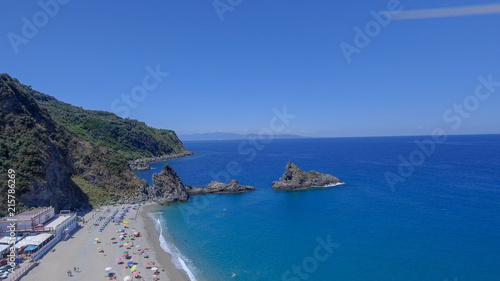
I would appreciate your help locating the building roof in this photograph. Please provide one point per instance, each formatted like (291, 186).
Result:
(6, 240)
(58, 221)
(33, 240)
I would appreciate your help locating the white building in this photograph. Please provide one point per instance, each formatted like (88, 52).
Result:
(28, 220)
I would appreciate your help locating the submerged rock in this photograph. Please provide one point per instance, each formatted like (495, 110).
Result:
(218, 187)
(167, 187)
(296, 179)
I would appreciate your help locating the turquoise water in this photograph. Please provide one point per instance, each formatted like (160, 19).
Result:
(442, 222)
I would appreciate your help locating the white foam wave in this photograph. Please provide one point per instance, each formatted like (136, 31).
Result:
(333, 184)
(178, 259)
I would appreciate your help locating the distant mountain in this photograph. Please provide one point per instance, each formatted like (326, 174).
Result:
(229, 136)
(69, 157)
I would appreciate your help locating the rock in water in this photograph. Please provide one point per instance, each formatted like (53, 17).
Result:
(168, 188)
(296, 179)
(217, 187)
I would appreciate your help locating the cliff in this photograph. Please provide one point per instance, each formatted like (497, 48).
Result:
(296, 179)
(68, 157)
(216, 187)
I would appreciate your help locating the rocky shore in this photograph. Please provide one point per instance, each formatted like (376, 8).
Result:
(143, 163)
(217, 187)
(296, 179)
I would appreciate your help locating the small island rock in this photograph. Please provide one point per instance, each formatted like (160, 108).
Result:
(296, 179)
(218, 187)
(167, 187)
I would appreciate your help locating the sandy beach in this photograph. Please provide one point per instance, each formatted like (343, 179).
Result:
(81, 251)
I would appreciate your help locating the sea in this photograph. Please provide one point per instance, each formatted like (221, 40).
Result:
(412, 208)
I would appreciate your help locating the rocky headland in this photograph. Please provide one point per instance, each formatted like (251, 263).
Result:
(143, 163)
(296, 179)
(218, 187)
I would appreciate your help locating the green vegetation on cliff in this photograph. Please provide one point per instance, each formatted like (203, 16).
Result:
(130, 138)
(69, 157)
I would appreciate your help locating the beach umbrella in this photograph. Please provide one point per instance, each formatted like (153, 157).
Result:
(127, 239)
(108, 269)
(154, 268)
(97, 239)
(144, 254)
(125, 222)
(130, 263)
(126, 252)
(138, 246)
(127, 278)
(118, 259)
(135, 273)
(133, 268)
(132, 259)
(126, 245)
(100, 248)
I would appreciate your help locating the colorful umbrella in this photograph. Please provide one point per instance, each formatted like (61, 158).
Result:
(135, 273)
(133, 268)
(126, 252)
(154, 268)
(132, 259)
(97, 239)
(130, 263)
(118, 259)
(127, 278)
(100, 248)
(108, 269)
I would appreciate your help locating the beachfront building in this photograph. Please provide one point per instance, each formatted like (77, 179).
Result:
(35, 242)
(30, 220)
(63, 224)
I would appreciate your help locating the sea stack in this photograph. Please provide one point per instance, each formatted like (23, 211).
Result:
(168, 188)
(218, 187)
(296, 179)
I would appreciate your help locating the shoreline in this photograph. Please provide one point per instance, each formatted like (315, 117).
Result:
(81, 250)
(142, 164)
(163, 257)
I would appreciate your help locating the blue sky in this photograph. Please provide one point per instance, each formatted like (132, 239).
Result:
(228, 75)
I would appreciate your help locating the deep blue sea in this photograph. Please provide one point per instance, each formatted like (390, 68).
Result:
(440, 221)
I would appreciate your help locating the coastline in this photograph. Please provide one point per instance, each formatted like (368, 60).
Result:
(152, 236)
(142, 164)
(81, 250)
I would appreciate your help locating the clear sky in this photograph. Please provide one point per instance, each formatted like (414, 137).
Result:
(231, 63)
